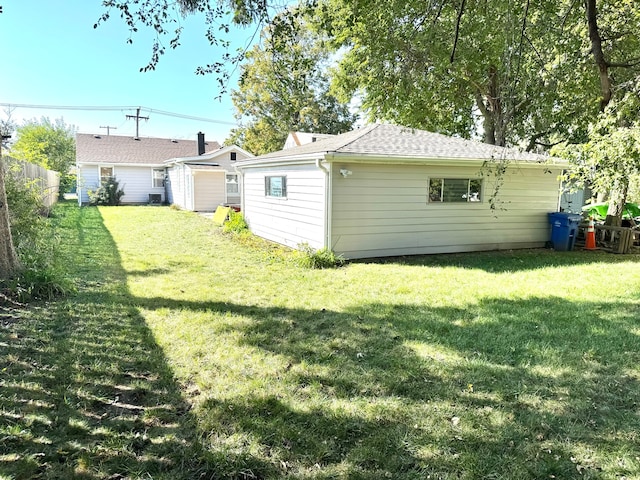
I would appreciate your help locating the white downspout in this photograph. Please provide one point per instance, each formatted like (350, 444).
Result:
(240, 186)
(327, 202)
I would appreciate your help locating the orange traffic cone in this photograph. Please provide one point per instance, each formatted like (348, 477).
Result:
(590, 243)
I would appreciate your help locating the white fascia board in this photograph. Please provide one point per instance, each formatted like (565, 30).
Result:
(150, 165)
(439, 161)
(281, 161)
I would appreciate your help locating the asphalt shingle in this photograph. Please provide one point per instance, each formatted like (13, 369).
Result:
(396, 141)
(117, 149)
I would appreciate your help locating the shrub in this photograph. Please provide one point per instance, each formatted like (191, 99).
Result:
(108, 193)
(35, 283)
(309, 257)
(235, 224)
(36, 245)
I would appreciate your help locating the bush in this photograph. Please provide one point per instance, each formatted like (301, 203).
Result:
(35, 283)
(236, 223)
(35, 243)
(108, 193)
(309, 257)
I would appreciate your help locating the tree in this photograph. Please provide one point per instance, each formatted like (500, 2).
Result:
(611, 157)
(528, 73)
(49, 144)
(9, 263)
(521, 68)
(284, 86)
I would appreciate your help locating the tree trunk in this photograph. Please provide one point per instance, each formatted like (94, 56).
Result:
(489, 102)
(617, 201)
(9, 263)
(598, 53)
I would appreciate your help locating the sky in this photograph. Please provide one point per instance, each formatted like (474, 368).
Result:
(51, 55)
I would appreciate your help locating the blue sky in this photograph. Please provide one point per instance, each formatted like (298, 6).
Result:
(52, 55)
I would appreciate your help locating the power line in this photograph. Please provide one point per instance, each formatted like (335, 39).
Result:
(116, 108)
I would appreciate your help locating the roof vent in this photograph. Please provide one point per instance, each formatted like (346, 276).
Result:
(136, 139)
(173, 140)
(97, 136)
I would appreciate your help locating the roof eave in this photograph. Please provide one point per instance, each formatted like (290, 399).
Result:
(420, 159)
(395, 159)
(121, 164)
(284, 160)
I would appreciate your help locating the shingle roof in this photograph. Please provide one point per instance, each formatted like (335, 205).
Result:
(115, 149)
(396, 141)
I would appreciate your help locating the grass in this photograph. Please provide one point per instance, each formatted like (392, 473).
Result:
(186, 354)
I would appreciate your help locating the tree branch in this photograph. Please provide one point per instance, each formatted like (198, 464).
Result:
(629, 64)
(455, 41)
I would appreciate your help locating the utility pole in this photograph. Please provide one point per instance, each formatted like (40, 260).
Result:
(111, 128)
(138, 118)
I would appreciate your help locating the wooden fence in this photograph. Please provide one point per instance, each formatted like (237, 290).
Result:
(48, 181)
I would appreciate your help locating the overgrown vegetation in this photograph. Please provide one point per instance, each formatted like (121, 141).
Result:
(108, 193)
(305, 256)
(36, 243)
(235, 224)
(310, 257)
(205, 360)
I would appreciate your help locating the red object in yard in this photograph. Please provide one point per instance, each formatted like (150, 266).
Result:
(590, 243)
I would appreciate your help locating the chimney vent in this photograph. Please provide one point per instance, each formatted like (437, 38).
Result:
(201, 143)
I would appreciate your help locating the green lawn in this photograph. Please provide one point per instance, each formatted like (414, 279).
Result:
(186, 354)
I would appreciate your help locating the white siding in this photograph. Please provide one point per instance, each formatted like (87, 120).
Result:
(173, 190)
(382, 210)
(176, 187)
(298, 218)
(209, 190)
(87, 180)
(136, 182)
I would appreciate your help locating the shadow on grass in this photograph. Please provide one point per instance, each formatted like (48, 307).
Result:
(524, 388)
(85, 391)
(506, 261)
(521, 388)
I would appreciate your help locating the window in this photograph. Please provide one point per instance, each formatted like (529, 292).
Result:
(105, 174)
(275, 186)
(233, 156)
(232, 184)
(454, 190)
(158, 177)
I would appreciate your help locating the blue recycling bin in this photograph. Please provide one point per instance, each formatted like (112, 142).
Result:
(564, 229)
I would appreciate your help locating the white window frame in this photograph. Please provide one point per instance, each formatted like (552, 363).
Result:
(228, 181)
(269, 189)
(469, 197)
(100, 167)
(154, 178)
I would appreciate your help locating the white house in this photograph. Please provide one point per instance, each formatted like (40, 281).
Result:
(137, 163)
(386, 190)
(203, 182)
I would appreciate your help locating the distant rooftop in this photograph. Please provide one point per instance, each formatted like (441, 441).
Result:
(115, 149)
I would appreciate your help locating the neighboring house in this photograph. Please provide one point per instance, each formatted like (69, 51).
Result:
(386, 190)
(137, 163)
(203, 182)
(296, 139)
